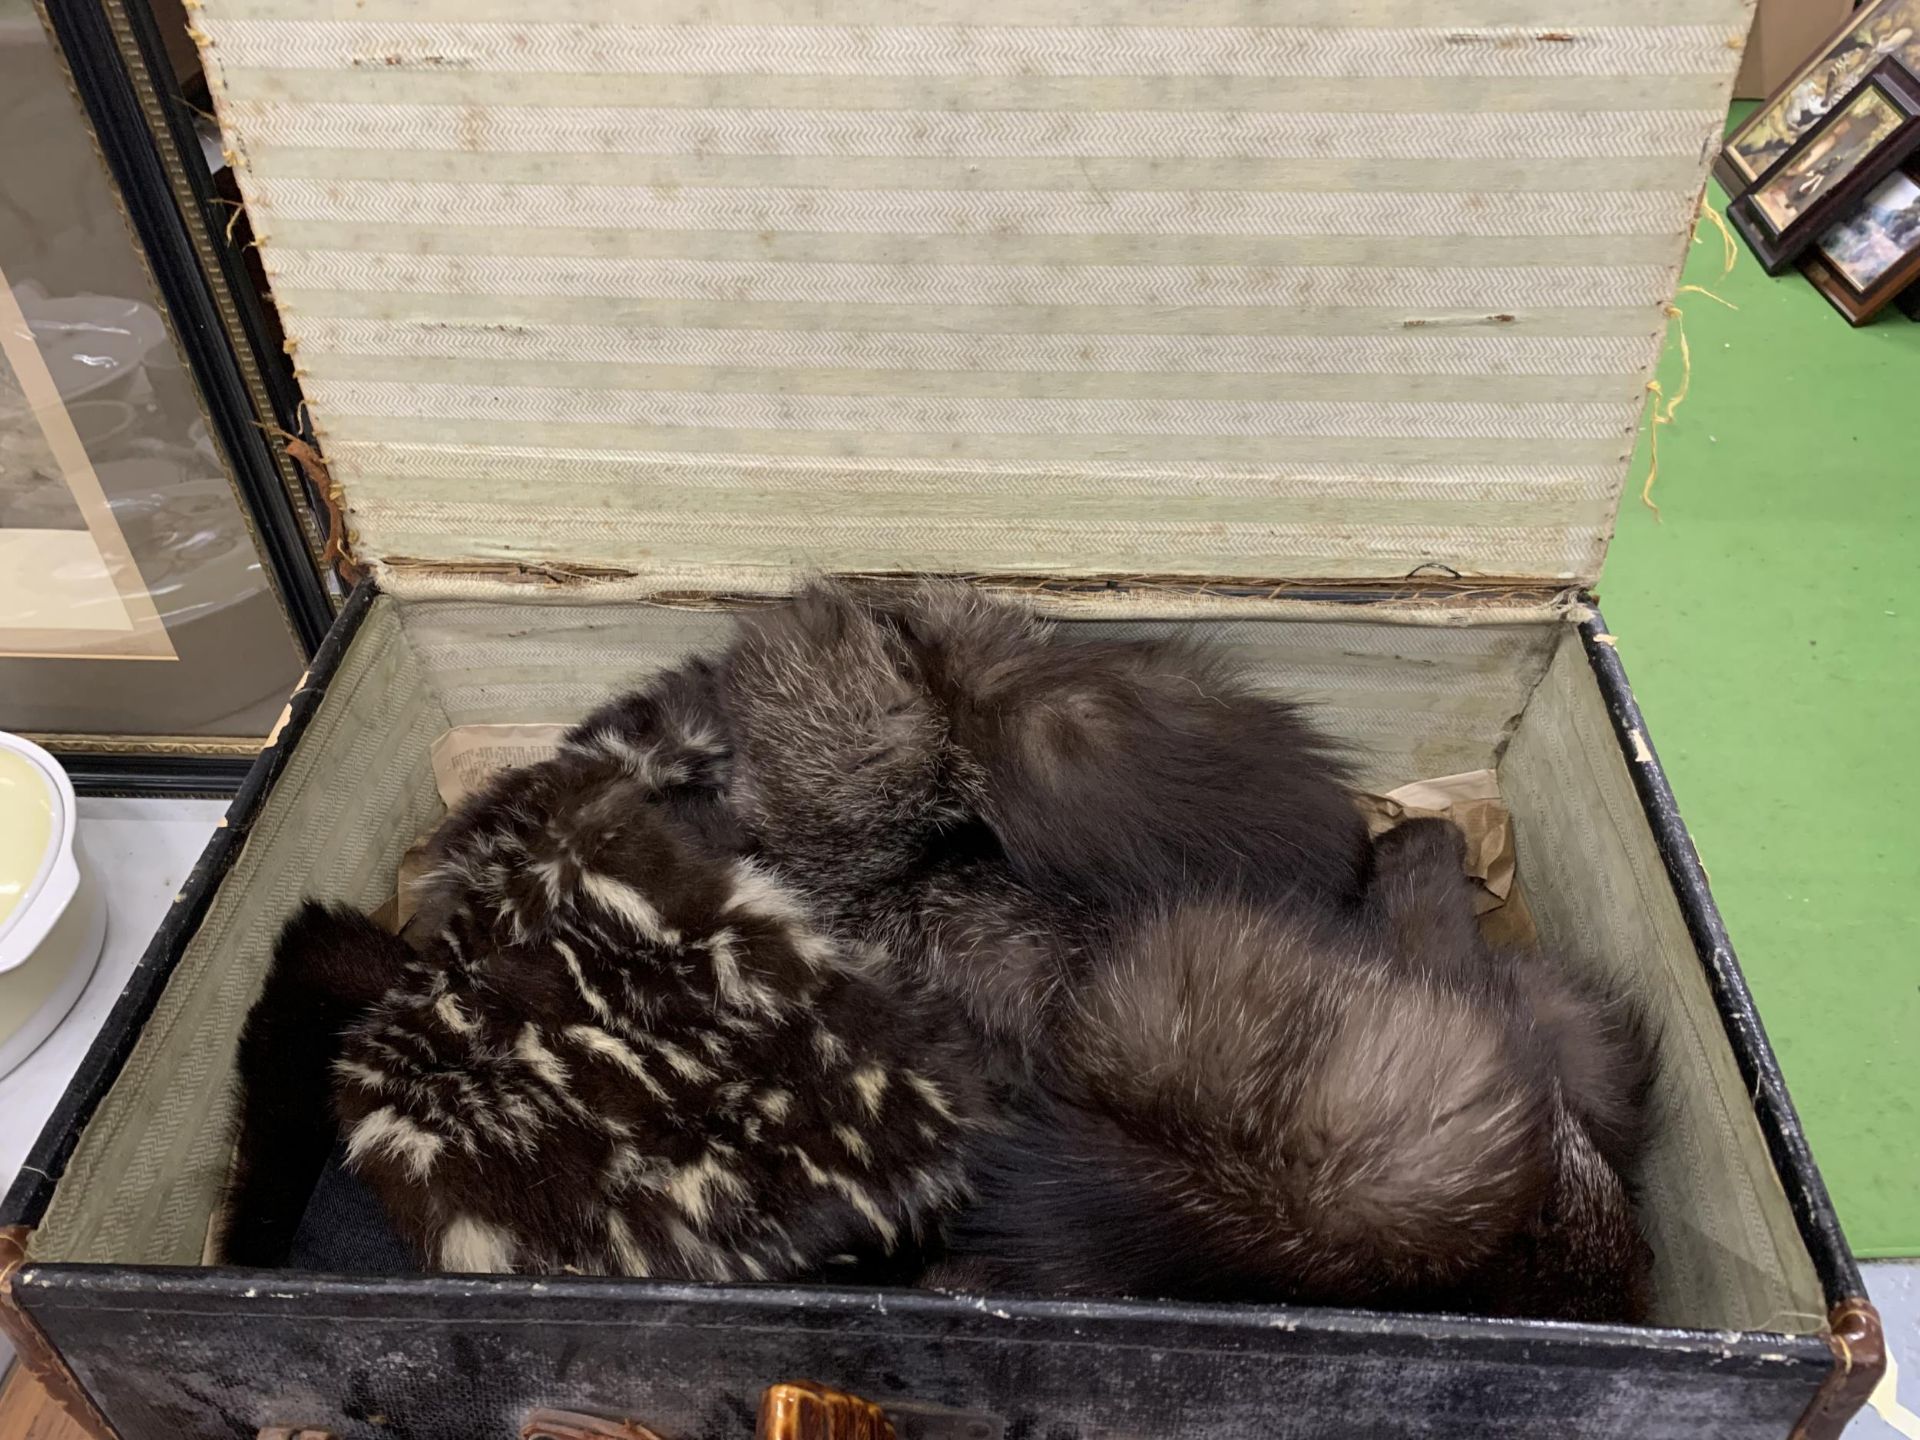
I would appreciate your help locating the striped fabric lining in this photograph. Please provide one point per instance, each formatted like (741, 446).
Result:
(860, 134)
(976, 50)
(911, 350)
(1373, 290)
(964, 212)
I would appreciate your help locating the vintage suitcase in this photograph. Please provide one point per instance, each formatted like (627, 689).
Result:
(1322, 328)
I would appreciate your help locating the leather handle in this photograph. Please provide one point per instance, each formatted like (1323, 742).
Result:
(800, 1410)
(803, 1410)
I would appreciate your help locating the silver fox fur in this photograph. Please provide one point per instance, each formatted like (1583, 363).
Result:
(1252, 1105)
(1264, 1059)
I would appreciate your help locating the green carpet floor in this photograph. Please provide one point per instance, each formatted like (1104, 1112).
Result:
(1770, 621)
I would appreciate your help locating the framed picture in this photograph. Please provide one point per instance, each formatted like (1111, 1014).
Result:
(159, 597)
(1826, 172)
(1878, 31)
(1864, 261)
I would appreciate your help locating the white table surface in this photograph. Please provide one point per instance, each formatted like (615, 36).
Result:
(143, 849)
(140, 851)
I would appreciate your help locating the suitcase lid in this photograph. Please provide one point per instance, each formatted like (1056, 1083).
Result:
(1026, 288)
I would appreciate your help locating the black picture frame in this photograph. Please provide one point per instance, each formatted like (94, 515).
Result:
(220, 243)
(84, 35)
(1855, 146)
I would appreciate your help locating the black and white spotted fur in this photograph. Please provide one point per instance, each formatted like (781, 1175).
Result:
(620, 1046)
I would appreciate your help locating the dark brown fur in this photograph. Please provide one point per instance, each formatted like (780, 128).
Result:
(1378, 1111)
(846, 783)
(954, 778)
(1132, 771)
(1303, 1077)
(328, 967)
(842, 774)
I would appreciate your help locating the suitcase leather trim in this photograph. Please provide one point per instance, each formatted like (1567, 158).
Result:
(36, 1353)
(1859, 1361)
(214, 1308)
(1853, 1325)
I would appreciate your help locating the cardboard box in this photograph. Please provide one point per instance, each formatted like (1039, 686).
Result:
(1785, 33)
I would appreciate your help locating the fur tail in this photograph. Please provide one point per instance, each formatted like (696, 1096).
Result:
(329, 966)
(1421, 1141)
(1128, 771)
(1584, 1258)
(1276, 1118)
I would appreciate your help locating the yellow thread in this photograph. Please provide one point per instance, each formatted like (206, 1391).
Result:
(1653, 441)
(233, 219)
(1729, 252)
(1663, 414)
(1702, 290)
(1686, 361)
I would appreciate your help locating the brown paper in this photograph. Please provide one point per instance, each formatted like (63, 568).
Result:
(1785, 34)
(468, 756)
(1471, 800)
(413, 865)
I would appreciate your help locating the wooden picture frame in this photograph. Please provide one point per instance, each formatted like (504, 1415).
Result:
(1868, 258)
(1879, 30)
(1830, 168)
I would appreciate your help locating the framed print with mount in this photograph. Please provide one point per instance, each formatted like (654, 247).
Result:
(1864, 261)
(1877, 31)
(1830, 169)
(158, 596)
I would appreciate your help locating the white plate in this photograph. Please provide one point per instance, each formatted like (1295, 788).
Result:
(50, 939)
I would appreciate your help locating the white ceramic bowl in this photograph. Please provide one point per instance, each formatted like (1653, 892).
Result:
(52, 921)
